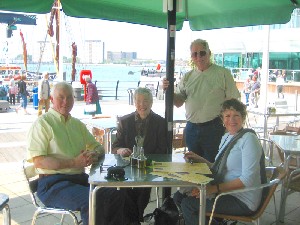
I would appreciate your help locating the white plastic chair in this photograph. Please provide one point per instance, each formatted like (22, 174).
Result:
(32, 180)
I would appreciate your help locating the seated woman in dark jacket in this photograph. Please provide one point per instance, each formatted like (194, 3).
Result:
(150, 131)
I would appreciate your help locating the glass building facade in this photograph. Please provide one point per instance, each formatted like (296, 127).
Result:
(283, 60)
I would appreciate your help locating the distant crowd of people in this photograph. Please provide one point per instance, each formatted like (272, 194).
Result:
(252, 91)
(251, 88)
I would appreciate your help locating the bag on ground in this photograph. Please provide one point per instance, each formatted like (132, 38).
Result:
(167, 214)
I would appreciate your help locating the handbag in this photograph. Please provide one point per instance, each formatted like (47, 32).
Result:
(167, 214)
(90, 108)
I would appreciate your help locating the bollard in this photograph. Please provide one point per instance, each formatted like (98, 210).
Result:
(35, 99)
(130, 95)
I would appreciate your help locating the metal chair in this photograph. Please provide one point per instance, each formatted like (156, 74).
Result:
(276, 175)
(4, 207)
(98, 134)
(268, 147)
(290, 129)
(179, 135)
(291, 183)
(32, 180)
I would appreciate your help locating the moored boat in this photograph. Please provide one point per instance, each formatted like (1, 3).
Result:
(7, 71)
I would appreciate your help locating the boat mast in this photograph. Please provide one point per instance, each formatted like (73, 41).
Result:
(24, 51)
(58, 46)
(55, 13)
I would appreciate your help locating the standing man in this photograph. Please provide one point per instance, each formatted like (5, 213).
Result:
(255, 92)
(60, 146)
(247, 90)
(203, 90)
(44, 94)
(279, 84)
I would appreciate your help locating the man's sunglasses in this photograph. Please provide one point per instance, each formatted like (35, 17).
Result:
(199, 54)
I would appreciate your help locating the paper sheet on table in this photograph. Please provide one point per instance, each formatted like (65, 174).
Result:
(199, 168)
(185, 176)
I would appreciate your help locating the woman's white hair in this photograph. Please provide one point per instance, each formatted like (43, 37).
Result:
(143, 91)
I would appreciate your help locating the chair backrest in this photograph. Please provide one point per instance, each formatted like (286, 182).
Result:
(268, 147)
(292, 129)
(288, 130)
(275, 174)
(32, 180)
(294, 180)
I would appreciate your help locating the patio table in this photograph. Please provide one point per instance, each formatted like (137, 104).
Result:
(267, 115)
(290, 145)
(138, 178)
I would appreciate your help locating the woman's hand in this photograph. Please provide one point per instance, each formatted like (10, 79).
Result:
(124, 152)
(210, 189)
(193, 157)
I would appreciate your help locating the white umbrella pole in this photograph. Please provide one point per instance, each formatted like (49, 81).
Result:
(265, 77)
(265, 70)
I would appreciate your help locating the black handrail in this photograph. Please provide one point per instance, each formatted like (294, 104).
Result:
(121, 87)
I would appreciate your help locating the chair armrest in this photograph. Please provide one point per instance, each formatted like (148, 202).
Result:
(249, 189)
(258, 187)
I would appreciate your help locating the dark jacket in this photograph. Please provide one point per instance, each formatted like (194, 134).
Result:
(92, 93)
(22, 87)
(155, 141)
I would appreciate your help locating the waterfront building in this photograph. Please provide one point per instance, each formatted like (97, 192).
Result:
(93, 52)
(116, 57)
(237, 48)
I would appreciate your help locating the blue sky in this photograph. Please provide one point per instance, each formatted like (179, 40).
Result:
(148, 42)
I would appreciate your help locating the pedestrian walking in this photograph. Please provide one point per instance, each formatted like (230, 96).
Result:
(44, 94)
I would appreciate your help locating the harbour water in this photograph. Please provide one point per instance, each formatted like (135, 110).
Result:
(100, 72)
(108, 77)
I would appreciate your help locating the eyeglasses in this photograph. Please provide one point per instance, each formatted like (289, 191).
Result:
(199, 54)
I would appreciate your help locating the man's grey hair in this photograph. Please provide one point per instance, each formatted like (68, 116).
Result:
(61, 85)
(200, 42)
(143, 91)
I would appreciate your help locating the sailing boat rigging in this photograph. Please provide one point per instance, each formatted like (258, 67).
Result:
(55, 16)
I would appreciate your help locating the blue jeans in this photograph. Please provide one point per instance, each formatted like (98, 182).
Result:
(247, 98)
(72, 192)
(204, 140)
(227, 204)
(24, 101)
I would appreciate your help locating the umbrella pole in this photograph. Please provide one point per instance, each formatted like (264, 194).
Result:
(170, 62)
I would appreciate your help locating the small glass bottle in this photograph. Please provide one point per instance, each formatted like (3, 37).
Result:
(142, 159)
(133, 157)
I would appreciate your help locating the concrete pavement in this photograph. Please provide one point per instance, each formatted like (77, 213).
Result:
(13, 128)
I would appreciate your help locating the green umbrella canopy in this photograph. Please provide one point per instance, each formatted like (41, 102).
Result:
(201, 14)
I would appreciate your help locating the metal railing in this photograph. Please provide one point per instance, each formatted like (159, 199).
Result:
(119, 89)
